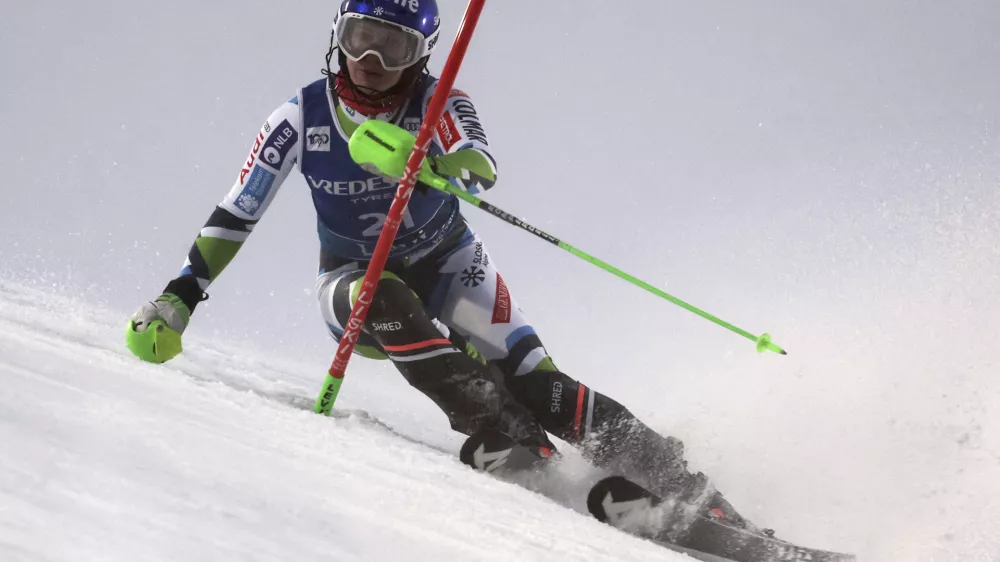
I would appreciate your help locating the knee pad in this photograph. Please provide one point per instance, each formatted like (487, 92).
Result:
(337, 294)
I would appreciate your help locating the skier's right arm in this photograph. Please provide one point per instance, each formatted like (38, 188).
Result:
(272, 155)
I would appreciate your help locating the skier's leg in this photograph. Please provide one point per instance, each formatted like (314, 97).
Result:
(399, 328)
(612, 437)
(475, 300)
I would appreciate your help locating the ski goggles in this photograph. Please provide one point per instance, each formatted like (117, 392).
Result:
(396, 46)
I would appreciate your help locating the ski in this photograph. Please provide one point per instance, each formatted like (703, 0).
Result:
(635, 510)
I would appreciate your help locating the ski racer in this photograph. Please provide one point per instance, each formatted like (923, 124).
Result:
(442, 313)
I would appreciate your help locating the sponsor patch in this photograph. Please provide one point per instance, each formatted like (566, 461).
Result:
(252, 158)
(318, 139)
(472, 276)
(469, 120)
(448, 132)
(480, 257)
(555, 404)
(352, 188)
(412, 124)
(501, 305)
(255, 191)
(278, 145)
(413, 5)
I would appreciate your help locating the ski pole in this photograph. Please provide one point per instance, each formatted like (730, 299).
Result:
(352, 329)
(437, 182)
(373, 144)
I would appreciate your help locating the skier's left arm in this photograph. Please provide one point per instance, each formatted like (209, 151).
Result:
(466, 158)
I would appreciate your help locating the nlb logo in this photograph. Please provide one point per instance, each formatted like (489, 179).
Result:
(279, 144)
(272, 156)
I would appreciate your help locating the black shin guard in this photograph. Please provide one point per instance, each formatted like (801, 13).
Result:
(467, 392)
(613, 438)
(607, 432)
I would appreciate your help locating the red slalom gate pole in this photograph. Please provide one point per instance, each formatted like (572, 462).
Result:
(335, 375)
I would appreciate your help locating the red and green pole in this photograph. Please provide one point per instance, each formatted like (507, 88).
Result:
(352, 330)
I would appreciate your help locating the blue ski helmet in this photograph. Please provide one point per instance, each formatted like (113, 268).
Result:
(399, 32)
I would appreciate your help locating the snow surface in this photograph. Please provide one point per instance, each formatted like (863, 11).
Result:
(216, 456)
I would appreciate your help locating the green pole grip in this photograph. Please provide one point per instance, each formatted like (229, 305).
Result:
(328, 394)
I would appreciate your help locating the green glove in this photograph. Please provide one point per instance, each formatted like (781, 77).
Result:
(153, 333)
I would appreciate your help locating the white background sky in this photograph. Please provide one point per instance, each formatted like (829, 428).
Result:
(825, 171)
